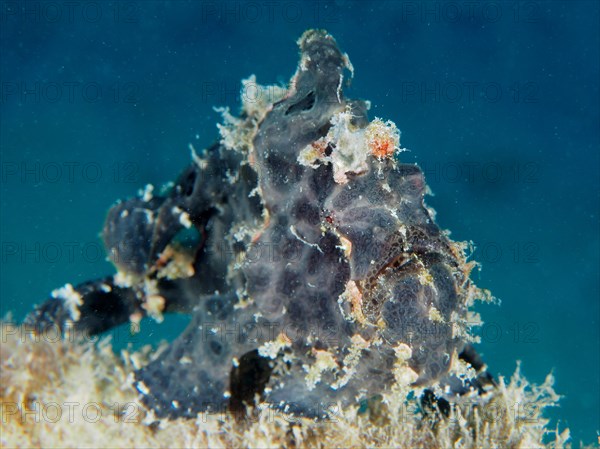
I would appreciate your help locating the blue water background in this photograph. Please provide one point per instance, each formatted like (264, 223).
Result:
(497, 101)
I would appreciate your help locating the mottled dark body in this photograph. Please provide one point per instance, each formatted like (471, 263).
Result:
(282, 282)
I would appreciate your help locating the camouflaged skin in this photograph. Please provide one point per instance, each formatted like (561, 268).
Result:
(302, 288)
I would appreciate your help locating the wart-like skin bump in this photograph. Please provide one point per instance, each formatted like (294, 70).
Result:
(311, 268)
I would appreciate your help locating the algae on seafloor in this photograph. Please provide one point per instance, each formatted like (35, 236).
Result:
(56, 393)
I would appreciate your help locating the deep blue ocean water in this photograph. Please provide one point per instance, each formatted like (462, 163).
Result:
(496, 100)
